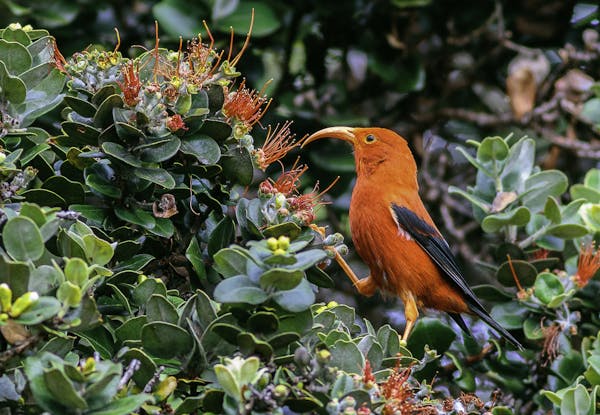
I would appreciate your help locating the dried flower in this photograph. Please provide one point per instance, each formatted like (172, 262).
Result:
(588, 264)
(245, 106)
(175, 123)
(131, 84)
(551, 345)
(166, 207)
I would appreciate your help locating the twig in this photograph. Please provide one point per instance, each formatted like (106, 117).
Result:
(480, 118)
(18, 349)
(133, 367)
(581, 148)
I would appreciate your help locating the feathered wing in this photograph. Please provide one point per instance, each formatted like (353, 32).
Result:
(430, 240)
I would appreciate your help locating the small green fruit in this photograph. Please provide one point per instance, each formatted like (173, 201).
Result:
(283, 242)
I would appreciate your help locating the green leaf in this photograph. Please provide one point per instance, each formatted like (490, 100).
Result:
(153, 338)
(577, 401)
(297, 299)
(158, 308)
(194, 255)
(540, 186)
(591, 110)
(509, 315)
(265, 19)
(230, 262)
(525, 273)
(237, 165)
(518, 165)
(159, 151)
(44, 309)
(552, 210)
(136, 216)
(239, 289)
(280, 279)
(518, 217)
(97, 250)
(204, 148)
(580, 191)
(22, 239)
(120, 153)
(492, 149)
(11, 87)
(432, 332)
(547, 286)
(104, 115)
(221, 236)
(15, 57)
(126, 405)
(346, 356)
(62, 389)
(567, 231)
(156, 175)
(590, 214)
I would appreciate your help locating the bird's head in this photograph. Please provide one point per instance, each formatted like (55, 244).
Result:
(376, 150)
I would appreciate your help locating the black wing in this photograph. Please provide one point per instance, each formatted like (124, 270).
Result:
(430, 240)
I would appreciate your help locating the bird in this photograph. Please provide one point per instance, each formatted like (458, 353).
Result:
(394, 234)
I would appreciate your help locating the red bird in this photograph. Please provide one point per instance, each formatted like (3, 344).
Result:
(395, 236)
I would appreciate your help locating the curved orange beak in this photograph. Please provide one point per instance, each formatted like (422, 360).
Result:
(342, 133)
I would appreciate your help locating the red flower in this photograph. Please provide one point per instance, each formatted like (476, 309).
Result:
(245, 105)
(277, 144)
(588, 264)
(175, 123)
(131, 84)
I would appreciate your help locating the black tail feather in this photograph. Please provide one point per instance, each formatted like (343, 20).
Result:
(482, 314)
(461, 323)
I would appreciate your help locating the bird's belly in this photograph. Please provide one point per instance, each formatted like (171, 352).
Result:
(399, 266)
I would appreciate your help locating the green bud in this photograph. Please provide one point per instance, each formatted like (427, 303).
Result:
(264, 380)
(2, 156)
(301, 356)
(22, 303)
(280, 200)
(88, 366)
(279, 251)
(323, 356)
(3, 317)
(348, 403)
(5, 297)
(283, 242)
(272, 244)
(342, 249)
(281, 392)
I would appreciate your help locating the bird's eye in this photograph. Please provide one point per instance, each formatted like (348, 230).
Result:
(370, 139)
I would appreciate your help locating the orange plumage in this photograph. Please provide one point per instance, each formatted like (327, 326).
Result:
(394, 234)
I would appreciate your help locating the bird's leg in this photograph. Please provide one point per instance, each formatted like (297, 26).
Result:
(411, 312)
(365, 286)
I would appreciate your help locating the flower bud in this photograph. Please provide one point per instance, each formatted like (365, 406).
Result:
(283, 242)
(342, 249)
(280, 200)
(3, 317)
(279, 251)
(2, 156)
(22, 303)
(272, 244)
(281, 392)
(323, 356)
(348, 403)
(5, 297)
